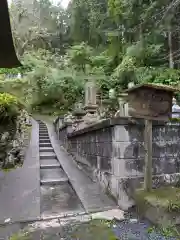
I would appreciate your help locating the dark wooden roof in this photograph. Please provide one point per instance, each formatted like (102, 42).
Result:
(8, 58)
(153, 86)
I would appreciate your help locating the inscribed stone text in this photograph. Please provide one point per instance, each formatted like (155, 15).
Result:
(150, 103)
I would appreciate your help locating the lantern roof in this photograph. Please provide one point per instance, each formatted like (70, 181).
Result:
(8, 57)
(153, 86)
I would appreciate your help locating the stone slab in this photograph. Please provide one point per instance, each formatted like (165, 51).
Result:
(47, 155)
(46, 144)
(45, 140)
(44, 137)
(49, 163)
(53, 175)
(59, 201)
(46, 149)
(19, 188)
(90, 193)
(109, 215)
(43, 134)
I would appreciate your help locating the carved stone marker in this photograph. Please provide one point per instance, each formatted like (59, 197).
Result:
(150, 101)
(90, 95)
(90, 102)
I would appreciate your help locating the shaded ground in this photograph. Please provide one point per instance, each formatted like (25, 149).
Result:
(83, 229)
(19, 188)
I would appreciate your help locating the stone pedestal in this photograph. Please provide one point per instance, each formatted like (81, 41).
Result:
(78, 118)
(91, 114)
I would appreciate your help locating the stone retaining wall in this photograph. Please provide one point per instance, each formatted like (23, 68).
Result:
(14, 139)
(112, 151)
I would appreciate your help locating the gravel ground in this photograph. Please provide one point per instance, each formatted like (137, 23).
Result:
(94, 230)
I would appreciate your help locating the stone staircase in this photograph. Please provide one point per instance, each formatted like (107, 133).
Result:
(65, 189)
(58, 198)
(51, 172)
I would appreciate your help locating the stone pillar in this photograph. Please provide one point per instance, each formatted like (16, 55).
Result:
(175, 109)
(123, 106)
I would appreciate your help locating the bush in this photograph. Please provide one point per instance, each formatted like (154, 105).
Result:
(9, 108)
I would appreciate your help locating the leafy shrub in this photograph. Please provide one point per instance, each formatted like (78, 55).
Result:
(9, 108)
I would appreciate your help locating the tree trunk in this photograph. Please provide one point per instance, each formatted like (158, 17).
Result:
(171, 61)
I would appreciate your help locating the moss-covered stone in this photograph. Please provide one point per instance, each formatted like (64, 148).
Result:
(14, 139)
(160, 206)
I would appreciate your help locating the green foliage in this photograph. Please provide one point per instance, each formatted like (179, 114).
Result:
(124, 73)
(79, 55)
(161, 75)
(9, 108)
(168, 232)
(113, 42)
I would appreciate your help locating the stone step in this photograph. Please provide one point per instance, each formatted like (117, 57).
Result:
(47, 155)
(90, 193)
(48, 145)
(42, 131)
(59, 201)
(44, 140)
(43, 134)
(49, 164)
(43, 137)
(53, 176)
(46, 149)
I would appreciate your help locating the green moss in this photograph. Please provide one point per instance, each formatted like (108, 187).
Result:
(95, 229)
(166, 197)
(20, 236)
(177, 120)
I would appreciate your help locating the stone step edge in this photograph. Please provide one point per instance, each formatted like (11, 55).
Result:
(45, 149)
(48, 166)
(51, 182)
(46, 141)
(47, 157)
(48, 145)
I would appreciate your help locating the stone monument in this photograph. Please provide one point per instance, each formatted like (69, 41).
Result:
(90, 103)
